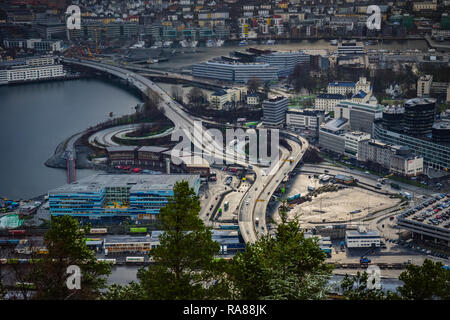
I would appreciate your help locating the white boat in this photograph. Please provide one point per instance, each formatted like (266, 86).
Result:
(156, 45)
(167, 44)
(270, 42)
(184, 43)
(219, 43)
(209, 43)
(243, 43)
(139, 44)
(193, 44)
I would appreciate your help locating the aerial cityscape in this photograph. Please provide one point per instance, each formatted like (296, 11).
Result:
(224, 150)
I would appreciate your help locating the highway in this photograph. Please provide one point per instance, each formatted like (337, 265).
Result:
(203, 141)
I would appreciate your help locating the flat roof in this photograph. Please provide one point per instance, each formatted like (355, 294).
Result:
(152, 149)
(355, 233)
(96, 183)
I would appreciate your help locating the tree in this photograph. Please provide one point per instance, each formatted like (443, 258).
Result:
(361, 291)
(67, 246)
(301, 78)
(152, 102)
(184, 261)
(196, 97)
(132, 291)
(253, 85)
(428, 281)
(177, 93)
(286, 266)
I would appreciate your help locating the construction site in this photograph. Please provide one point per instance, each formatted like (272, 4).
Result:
(319, 199)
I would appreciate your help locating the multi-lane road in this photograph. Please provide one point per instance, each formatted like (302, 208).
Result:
(203, 141)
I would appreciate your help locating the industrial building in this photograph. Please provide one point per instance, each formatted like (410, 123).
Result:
(116, 198)
(362, 238)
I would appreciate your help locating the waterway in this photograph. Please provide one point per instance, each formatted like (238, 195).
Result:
(185, 57)
(125, 274)
(36, 117)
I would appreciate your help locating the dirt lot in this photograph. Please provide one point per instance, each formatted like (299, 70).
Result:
(336, 206)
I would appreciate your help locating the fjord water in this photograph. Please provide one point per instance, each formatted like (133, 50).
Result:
(36, 117)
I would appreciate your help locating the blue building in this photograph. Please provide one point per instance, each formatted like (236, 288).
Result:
(115, 198)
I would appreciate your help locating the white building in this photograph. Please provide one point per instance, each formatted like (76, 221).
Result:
(352, 140)
(345, 87)
(306, 119)
(18, 74)
(362, 238)
(327, 101)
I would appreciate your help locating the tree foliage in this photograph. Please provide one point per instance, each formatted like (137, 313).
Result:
(428, 281)
(356, 288)
(286, 266)
(185, 266)
(67, 246)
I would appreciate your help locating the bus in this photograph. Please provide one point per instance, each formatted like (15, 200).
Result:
(98, 231)
(138, 230)
(134, 259)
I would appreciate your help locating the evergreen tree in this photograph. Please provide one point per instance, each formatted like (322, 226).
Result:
(67, 246)
(184, 267)
(286, 266)
(425, 282)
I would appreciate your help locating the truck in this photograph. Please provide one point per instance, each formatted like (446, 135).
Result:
(395, 186)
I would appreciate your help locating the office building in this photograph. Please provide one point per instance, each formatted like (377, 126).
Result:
(274, 111)
(352, 140)
(235, 72)
(398, 159)
(305, 119)
(116, 198)
(394, 118)
(285, 61)
(441, 132)
(419, 116)
(435, 155)
(35, 44)
(360, 115)
(424, 85)
(331, 135)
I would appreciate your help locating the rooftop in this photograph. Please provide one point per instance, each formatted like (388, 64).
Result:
(96, 183)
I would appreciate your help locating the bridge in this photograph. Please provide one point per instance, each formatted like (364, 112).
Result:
(205, 142)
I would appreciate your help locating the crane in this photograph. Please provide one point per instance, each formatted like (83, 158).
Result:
(96, 37)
